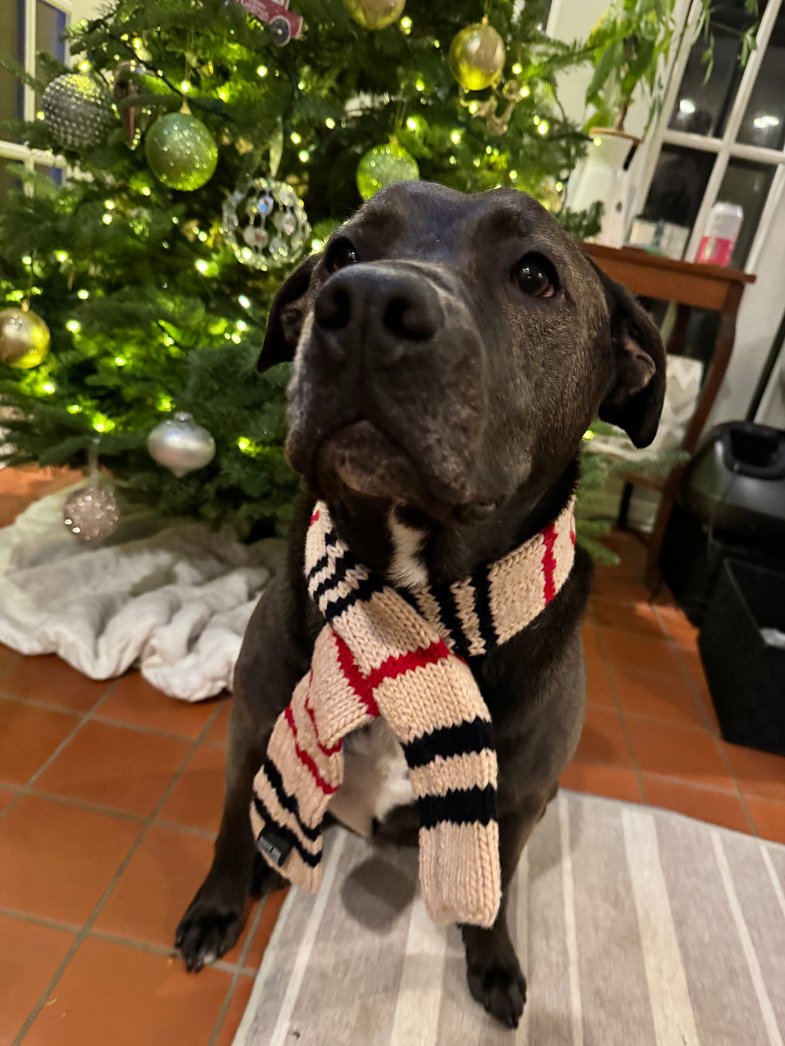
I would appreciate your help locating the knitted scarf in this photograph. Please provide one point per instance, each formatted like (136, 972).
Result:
(402, 654)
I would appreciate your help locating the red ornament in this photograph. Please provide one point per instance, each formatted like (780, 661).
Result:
(284, 25)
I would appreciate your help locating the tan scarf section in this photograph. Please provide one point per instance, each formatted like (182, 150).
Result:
(402, 655)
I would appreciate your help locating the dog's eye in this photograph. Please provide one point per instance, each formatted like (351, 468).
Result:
(536, 276)
(340, 254)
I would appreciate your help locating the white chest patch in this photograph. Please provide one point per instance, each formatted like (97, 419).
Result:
(376, 778)
(407, 568)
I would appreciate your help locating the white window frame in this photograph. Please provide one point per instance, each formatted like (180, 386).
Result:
(14, 151)
(724, 148)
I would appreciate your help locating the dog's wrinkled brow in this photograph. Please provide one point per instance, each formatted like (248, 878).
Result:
(382, 221)
(505, 222)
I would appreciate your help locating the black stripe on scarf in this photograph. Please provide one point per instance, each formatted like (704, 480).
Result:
(288, 802)
(364, 590)
(481, 582)
(310, 859)
(458, 806)
(450, 618)
(322, 561)
(409, 597)
(465, 737)
(345, 563)
(320, 564)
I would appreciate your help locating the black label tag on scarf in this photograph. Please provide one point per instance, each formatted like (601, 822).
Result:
(274, 844)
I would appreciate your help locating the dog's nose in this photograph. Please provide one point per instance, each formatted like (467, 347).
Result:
(386, 309)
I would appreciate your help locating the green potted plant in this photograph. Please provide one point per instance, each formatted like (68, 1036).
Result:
(629, 48)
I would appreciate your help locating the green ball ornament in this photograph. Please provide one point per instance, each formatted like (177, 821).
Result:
(181, 151)
(385, 165)
(77, 110)
(477, 56)
(24, 338)
(375, 14)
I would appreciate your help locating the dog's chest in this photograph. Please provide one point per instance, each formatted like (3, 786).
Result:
(376, 779)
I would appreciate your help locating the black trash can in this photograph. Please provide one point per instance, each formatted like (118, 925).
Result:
(730, 504)
(742, 646)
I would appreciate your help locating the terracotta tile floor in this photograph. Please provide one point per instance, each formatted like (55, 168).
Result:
(110, 793)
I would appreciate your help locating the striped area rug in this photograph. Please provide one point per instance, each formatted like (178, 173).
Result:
(634, 927)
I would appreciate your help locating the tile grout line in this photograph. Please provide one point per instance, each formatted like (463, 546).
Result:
(230, 992)
(741, 796)
(151, 947)
(40, 920)
(46, 706)
(21, 791)
(617, 704)
(87, 926)
(708, 725)
(84, 718)
(25, 791)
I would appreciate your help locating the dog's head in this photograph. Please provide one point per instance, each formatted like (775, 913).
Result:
(450, 350)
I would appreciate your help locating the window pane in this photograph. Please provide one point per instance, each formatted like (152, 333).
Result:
(678, 186)
(764, 120)
(49, 28)
(747, 184)
(55, 173)
(702, 106)
(12, 42)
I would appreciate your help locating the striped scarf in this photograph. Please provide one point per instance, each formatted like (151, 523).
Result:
(401, 654)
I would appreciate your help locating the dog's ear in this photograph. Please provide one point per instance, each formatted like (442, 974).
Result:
(286, 316)
(637, 388)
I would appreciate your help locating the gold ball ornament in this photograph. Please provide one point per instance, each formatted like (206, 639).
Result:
(385, 165)
(477, 56)
(181, 151)
(375, 14)
(24, 338)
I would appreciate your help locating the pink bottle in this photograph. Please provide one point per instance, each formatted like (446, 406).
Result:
(722, 231)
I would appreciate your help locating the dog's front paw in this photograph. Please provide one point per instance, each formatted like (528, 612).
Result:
(499, 986)
(207, 931)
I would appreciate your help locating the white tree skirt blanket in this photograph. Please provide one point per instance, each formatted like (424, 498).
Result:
(171, 597)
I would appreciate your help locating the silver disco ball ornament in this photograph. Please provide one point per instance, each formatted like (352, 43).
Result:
(180, 445)
(92, 513)
(265, 223)
(77, 110)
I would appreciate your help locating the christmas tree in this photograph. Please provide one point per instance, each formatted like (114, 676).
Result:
(210, 145)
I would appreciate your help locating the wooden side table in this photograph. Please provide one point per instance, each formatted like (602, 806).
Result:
(689, 286)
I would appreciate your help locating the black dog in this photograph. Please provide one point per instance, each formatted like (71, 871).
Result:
(451, 352)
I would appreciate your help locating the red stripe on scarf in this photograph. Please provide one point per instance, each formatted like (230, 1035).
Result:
(322, 748)
(549, 562)
(400, 664)
(305, 759)
(354, 676)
